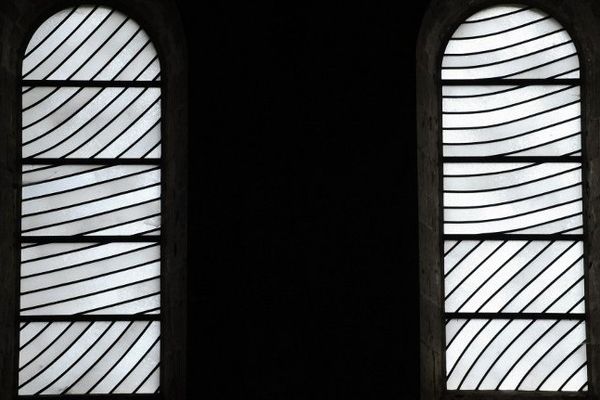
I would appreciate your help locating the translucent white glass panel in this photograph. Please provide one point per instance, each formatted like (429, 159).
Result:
(90, 43)
(514, 276)
(513, 198)
(91, 200)
(521, 43)
(91, 122)
(528, 355)
(90, 278)
(541, 120)
(101, 357)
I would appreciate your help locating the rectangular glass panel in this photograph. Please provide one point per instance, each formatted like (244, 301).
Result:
(521, 354)
(91, 122)
(91, 200)
(542, 120)
(541, 198)
(90, 278)
(101, 357)
(514, 276)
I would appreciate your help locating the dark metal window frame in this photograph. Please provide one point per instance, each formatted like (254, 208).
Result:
(159, 18)
(582, 20)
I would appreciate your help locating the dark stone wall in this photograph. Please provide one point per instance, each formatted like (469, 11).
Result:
(304, 217)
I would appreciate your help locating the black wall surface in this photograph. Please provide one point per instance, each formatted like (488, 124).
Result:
(303, 245)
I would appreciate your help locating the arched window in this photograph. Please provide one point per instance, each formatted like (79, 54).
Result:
(90, 221)
(508, 281)
(97, 151)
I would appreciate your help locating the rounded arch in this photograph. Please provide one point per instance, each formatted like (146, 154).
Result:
(90, 42)
(510, 41)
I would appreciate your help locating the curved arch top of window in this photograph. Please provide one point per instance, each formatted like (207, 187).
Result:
(510, 42)
(91, 43)
(514, 292)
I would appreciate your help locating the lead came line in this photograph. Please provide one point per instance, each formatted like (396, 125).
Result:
(61, 43)
(81, 43)
(510, 59)
(504, 47)
(501, 31)
(120, 358)
(49, 34)
(99, 48)
(89, 348)
(475, 21)
(33, 83)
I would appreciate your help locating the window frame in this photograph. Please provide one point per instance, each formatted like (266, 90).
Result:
(19, 19)
(439, 23)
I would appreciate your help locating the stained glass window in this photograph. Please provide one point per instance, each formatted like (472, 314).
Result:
(515, 313)
(90, 207)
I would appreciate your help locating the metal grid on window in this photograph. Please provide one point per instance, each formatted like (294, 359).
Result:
(514, 290)
(90, 208)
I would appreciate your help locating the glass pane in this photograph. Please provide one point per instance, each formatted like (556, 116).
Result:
(511, 121)
(529, 355)
(514, 276)
(90, 43)
(521, 198)
(90, 358)
(91, 122)
(121, 200)
(93, 278)
(511, 42)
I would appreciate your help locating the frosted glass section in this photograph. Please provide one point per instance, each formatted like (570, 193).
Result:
(91, 122)
(514, 276)
(90, 278)
(541, 120)
(514, 42)
(528, 355)
(522, 198)
(91, 200)
(90, 43)
(90, 358)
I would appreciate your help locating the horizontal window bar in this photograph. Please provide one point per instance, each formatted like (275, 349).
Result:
(94, 317)
(91, 161)
(89, 239)
(501, 159)
(77, 83)
(504, 236)
(465, 315)
(93, 396)
(509, 82)
(512, 395)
